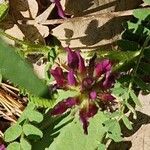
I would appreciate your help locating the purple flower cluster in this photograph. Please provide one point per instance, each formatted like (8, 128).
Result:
(2, 147)
(93, 82)
(61, 12)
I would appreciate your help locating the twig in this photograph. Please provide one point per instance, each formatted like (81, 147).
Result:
(8, 90)
(10, 87)
(86, 17)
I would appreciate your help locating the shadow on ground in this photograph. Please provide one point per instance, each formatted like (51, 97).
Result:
(142, 119)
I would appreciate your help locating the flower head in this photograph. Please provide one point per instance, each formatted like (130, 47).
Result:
(92, 81)
(2, 147)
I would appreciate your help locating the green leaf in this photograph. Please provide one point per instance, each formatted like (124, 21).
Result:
(127, 122)
(141, 13)
(42, 102)
(113, 129)
(141, 84)
(14, 146)
(121, 57)
(24, 115)
(62, 94)
(137, 28)
(101, 147)
(3, 10)
(132, 110)
(135, 98)
(29, 129)
(0, 78)
(72, 137)
(13, 133)
(33, 115)
(25, 145)
(145, 67)
(120, 91)
(127, 45)
(147, 1)
(14, 68)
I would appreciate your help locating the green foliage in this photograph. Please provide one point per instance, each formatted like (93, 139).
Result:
(3, 10)
(101, 147)
(29, 129)
(113, 130)
(35, 116)
(147, 1)
(127, 122)
(42, 102)
(14, 146)
(69, 134)
(0, 78)
(121, 58)
(62, 94)
(72, 137)
(25, 145)
(135, 98)
(137, 36)
(14, 68)
(26, 126)
(127, 99)
(141, 14)
(55, 98)
(124, 94)
(13, 133)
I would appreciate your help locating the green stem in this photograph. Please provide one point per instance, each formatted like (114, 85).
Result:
(135, 70)
(12, 38)
(139, 60)
(32, 47)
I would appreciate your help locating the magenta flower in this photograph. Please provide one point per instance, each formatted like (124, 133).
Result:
(61, 12)
(93, 82)
(2, 147)
(58, 74)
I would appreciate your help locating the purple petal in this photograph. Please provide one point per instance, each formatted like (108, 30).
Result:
(93, 95)
(92, 109)
(107, 82)
(2, 147)
(71, 78)
(85, 113)
(59, 109)
(81, 65)
(72, 59)
(61, 12)
(62, 106)
(70, 102)
(105, 97)
(57, 73)
(84, 120)
(87, 83)
(102, 67)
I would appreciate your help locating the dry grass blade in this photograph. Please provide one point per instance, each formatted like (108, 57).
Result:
(11, 105)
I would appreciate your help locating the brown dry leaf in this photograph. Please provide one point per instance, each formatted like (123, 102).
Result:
(24, 10)
(94, 32)
(43, 30)
(84, 7)
(32, 9)
(43, 17)
(89, 34)
(12, 31)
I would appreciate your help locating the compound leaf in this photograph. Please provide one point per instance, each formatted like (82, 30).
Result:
(13, 133)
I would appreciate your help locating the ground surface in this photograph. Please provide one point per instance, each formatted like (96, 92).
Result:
(139, 138)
